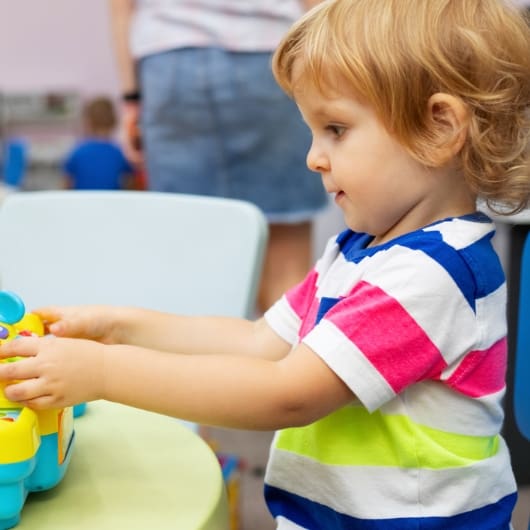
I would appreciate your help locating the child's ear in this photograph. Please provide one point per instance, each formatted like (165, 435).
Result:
(449, 118)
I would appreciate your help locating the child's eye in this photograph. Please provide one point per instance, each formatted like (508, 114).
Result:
(337, 130)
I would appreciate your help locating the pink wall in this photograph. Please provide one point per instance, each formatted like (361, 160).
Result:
(56, 44)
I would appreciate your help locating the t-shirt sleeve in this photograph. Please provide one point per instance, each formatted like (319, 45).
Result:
(285, 316)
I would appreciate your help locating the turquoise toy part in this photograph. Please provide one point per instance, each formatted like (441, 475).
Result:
(12, 307)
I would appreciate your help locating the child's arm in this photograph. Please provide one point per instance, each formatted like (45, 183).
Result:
(164, 331)
(228, 390)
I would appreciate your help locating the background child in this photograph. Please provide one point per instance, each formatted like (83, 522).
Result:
(97, 163)
(385, 367)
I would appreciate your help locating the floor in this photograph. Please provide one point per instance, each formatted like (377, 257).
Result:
(253, 448)
(521, 515)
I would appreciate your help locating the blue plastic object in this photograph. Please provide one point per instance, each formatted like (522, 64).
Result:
(42, 469)
(11, 307)
(15, 162)
(522, 352)
(35, 446)
(522, 349)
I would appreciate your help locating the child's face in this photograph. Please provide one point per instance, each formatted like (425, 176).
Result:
(380, 187)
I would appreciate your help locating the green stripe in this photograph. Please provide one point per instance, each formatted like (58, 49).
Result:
(353, 437)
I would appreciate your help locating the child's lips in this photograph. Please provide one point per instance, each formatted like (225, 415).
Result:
(338, 196)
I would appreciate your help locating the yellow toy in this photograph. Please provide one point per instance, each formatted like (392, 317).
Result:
(35, 446)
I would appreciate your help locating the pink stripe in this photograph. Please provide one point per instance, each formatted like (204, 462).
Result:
(301, 296)
(309, 320)
(481, 372)
(387, 335)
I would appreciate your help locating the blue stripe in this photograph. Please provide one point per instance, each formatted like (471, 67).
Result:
(314, 516)
(485, 265)
(352, 242)
(326, 303)
(475, 269)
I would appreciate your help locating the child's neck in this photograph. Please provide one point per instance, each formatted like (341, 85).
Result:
(460, 209)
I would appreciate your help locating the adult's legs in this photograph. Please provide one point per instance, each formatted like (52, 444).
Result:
(216, 123)
(287, 260)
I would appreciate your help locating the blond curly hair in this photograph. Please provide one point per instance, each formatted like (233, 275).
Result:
(395, 54)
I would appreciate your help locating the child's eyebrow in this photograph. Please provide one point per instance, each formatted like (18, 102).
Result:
(327, 111)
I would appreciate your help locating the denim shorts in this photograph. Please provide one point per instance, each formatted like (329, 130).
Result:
(216, 123)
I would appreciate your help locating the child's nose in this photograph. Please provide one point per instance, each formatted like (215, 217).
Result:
(316, 160)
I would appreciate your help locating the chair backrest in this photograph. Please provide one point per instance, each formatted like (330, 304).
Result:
(522, 348)
(176, 253)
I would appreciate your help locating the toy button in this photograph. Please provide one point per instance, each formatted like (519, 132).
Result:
(11, 307)
(4, 332)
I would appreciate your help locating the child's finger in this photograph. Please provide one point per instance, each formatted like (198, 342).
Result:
(21, 347)
(49, 315)
(24, 391)
(23, 369)
(55, 321)
(41, 403)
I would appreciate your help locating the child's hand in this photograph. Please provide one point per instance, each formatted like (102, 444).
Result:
(86, 322)
(53, 373)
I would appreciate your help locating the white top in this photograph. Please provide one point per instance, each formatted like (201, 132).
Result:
(239, 25)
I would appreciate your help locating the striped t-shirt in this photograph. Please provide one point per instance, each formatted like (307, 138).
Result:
(416, 328)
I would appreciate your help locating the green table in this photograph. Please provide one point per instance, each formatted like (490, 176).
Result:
(132, 470)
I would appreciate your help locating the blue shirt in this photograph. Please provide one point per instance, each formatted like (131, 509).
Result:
(96, 164)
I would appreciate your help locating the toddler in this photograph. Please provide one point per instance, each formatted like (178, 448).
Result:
(96, 162)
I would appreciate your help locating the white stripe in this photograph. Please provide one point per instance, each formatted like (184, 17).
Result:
(427, 403)
(387, 492)
(285, 524)
(345, 359)
(331, 252)
(493, 328)
(337, 276)
(283, 320)
(460, 233)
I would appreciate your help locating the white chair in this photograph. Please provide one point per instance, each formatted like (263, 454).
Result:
(176, 253)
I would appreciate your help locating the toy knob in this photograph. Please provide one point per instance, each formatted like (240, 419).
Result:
(11, 307)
